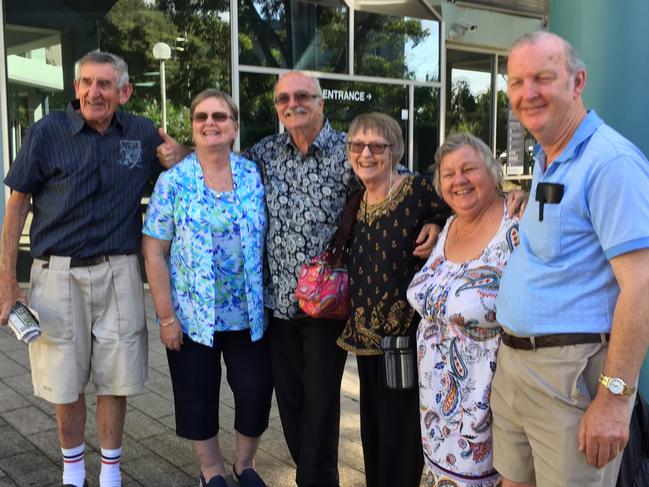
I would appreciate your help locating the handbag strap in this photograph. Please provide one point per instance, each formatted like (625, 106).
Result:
(338, 244)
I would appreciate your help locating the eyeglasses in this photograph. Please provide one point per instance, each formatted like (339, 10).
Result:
(375, 148)
(202, 117)
(299, 97)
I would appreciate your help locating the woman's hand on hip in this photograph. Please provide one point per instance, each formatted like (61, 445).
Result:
(171, 336)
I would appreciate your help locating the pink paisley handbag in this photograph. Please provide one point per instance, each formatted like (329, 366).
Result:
(323, 284)
(323, 288)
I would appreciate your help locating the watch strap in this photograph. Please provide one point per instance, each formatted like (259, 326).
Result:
(627, 390)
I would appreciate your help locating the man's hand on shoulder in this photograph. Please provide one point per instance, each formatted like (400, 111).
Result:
(604, 428)
(516, 202)
(170, 152)
(426, 240)
(10, 292)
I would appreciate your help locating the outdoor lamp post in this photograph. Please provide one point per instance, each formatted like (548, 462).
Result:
(162, 52)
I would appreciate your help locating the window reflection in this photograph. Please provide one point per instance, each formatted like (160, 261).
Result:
(396, 47)
(501, 109)
(503, 138)
(469, 94)
(343, 100)
(294, 34)
(35, 77)
(426, 127)
(258, 116)
(199, 37)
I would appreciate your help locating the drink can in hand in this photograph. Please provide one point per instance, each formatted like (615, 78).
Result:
(24, 322)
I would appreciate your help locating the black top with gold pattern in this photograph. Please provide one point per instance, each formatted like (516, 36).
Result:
(381, 264)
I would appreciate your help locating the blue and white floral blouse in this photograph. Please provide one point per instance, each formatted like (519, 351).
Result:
(184, 210)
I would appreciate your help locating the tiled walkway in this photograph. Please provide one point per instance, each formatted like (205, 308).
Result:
(153, 455)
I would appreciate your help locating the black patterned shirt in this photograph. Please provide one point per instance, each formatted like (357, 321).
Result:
(381, 264)
(305, 196)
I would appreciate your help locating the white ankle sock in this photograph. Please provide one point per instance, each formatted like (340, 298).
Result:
(110, 475)
(74, 466)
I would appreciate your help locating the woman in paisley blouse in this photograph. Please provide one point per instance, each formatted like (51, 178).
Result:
(203, 246)
(458, 336)
(381, 264)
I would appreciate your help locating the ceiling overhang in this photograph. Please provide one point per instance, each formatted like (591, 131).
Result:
(421, 9)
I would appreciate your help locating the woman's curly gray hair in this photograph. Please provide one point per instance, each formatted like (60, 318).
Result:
(462, 139)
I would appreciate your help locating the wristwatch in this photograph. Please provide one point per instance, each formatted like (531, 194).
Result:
(616, 386)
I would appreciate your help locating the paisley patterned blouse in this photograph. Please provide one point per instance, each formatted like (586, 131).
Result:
(381, 264)
(203, 226)
(457, 343)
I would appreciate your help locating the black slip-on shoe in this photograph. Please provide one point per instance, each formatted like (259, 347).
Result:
(249, 478)
(216, 481)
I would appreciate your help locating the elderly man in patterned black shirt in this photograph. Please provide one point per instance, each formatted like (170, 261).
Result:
(85, 170)
(307, 182)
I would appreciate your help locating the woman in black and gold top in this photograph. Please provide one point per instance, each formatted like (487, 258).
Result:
(381, 265)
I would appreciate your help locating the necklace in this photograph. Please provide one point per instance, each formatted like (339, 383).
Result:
(458, 234)
(393, 183)
(224, 185)
(478, 223)
(380, 206)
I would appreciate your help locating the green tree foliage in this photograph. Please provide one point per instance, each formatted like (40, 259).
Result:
(381, 41)
(178, 122)
(257, 103)
(130, 30)
(205, 60)
(472, 113)
(292, 34)
(133, 27)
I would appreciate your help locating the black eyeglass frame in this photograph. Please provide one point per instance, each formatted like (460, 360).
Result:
(299, 96)
(376, 149)
(201, 117)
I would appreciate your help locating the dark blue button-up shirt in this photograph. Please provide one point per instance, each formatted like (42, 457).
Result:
(86, 187)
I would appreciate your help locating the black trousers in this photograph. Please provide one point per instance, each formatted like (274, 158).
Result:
(390, 429)
(307, 370)
(196, 380)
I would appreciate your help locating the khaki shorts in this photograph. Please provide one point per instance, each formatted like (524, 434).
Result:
(93, 322)
(537, 399)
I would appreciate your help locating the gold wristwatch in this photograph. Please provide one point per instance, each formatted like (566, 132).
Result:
(616, 386)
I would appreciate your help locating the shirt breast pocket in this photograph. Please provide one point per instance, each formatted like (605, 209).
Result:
(545, 237)
(130, 154)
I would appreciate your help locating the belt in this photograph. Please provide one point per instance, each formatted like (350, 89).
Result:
(80, 261)
(556, 340)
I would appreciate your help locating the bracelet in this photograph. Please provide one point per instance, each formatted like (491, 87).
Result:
(168, 322)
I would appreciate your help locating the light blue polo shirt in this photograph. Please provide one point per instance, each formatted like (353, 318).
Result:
(559, 279)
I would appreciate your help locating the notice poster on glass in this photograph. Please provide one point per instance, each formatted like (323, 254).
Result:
(515, 145)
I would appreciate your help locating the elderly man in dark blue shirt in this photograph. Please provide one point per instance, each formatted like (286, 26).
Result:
(85, 171)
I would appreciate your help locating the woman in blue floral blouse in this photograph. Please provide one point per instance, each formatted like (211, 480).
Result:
(203, 247)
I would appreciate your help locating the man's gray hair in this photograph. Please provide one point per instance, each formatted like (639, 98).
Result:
(573, 63)
(99, 57)
(463, 139)
(313, 79)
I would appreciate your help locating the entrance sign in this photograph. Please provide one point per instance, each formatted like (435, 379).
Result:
(346, 95)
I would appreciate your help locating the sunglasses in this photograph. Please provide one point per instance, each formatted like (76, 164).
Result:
(299, 97)
(375, 148)
(202, 117)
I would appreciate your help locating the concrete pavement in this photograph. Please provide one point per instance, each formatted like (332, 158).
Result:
(153, 454)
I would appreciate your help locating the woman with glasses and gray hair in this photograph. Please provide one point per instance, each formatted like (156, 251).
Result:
(458, 336)
(393, 209)
(203, 247)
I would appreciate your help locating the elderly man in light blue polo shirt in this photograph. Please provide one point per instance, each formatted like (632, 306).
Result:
(574, 300)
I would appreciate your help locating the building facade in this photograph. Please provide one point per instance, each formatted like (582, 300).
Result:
(436, 66)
